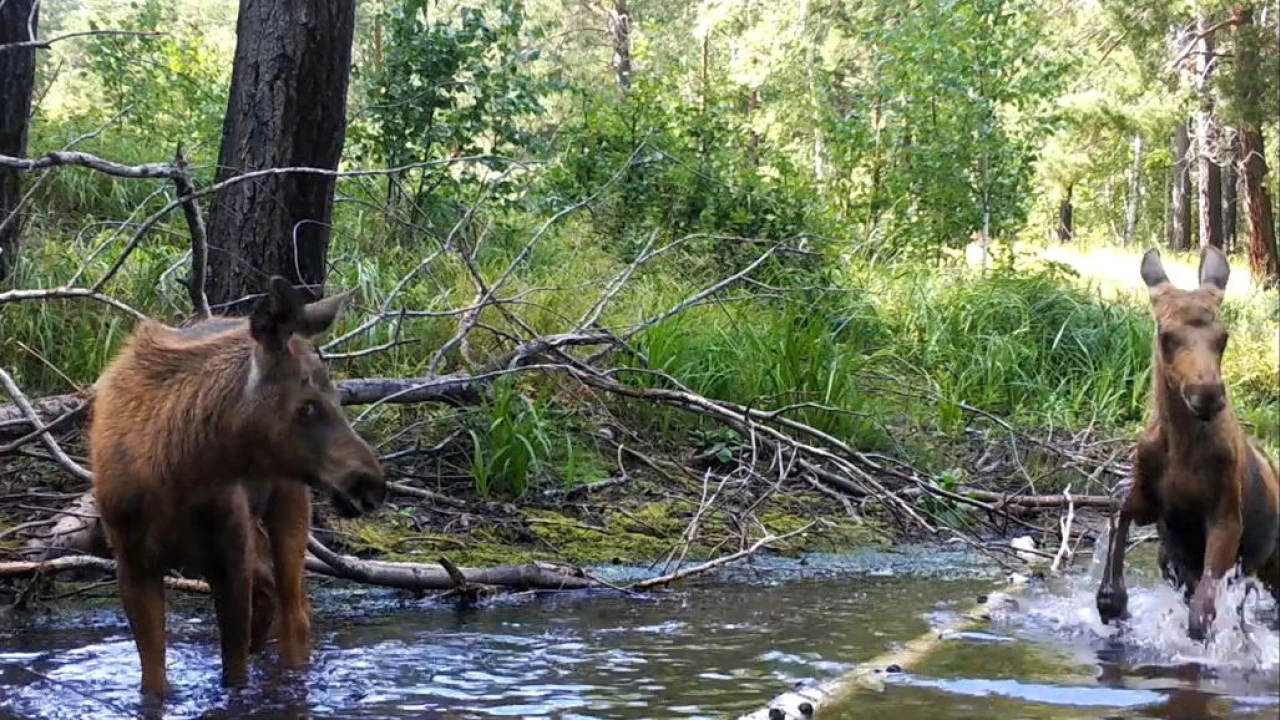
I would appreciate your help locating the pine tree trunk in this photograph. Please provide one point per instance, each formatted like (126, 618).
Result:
(1180, 228)
(1262, 238)
(1065, 230)
(1207, 145)
(287, 109)
(1230, 180)
(18, 19)
(1253, 160)
(620, 32)
(1134, 201)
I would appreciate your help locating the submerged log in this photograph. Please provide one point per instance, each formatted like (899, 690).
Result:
(803, 702)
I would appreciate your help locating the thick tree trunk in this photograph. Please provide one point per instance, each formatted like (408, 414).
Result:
(1262, 238)
(1180, 228)
(1230, 183)
(1065, 230)
(18, 20)
(1133, 203)
(620, 33)
(287, 108)
(1252, 154)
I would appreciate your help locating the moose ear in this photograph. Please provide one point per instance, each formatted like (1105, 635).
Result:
(319, 315)
(1153, 271)
(277, 315)
(1214, 269)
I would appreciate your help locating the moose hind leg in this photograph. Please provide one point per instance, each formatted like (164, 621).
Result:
(142, 594)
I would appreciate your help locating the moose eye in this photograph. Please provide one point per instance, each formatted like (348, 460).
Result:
(308, 411)
(1222, 343)
(1168, 343)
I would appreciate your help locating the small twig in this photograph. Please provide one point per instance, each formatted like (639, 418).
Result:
(717, 562)
(1064, 551)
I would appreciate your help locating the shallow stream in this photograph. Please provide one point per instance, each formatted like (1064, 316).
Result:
(718, 647)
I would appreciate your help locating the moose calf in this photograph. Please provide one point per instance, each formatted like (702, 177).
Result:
(1210, 489)
(203, 442)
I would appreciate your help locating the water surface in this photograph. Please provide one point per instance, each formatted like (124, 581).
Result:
(716, 648)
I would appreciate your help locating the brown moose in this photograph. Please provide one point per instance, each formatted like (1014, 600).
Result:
(203, 442)
(1209, 488)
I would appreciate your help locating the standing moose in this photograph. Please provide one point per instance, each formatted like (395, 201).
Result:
(1209, 488)
(203, 442)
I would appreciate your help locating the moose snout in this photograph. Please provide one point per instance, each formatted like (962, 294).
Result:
(1206, 400)
(359, 493)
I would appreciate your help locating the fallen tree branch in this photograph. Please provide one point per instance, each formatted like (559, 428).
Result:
(415, 576)
(458, 388)
(75, 563)
(1042, 502)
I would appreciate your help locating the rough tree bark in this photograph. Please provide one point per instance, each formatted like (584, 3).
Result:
(18, 20)
(1230, 186)
(1065, 230)
(287, 108)
(1133, 203)
(1180, 228)
(1261, 223)
(620, 33)
(1207, 143)
(1253, 162)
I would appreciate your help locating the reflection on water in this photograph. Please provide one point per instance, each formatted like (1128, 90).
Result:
(715, 649)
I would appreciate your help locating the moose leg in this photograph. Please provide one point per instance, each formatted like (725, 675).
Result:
(226, 526)
(142, 594)
(1222, 545)
(1112, 597)
(289, 524)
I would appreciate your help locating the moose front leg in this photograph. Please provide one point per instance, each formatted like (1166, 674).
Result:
(1222, 546)
(1112, 597)
(226, 528)
(289, 524)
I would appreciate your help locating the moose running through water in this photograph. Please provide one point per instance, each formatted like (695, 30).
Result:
(1210, 488)
(203, 442)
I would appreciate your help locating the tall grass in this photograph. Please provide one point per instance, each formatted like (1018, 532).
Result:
(1035, 344)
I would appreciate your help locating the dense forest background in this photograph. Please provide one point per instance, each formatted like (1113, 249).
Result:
(908, 218)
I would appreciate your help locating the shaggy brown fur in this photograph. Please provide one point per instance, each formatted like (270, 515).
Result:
(203, 441)
(1210, 489)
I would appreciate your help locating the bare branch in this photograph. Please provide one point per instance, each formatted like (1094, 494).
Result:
(160, 214)
(46, 42)
(50, 444)
(199, 239)
(61, 158)
(67, 293)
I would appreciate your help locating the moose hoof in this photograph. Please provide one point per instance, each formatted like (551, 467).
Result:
(1113, 604)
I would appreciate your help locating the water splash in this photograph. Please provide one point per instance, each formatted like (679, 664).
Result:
(1242, 638)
